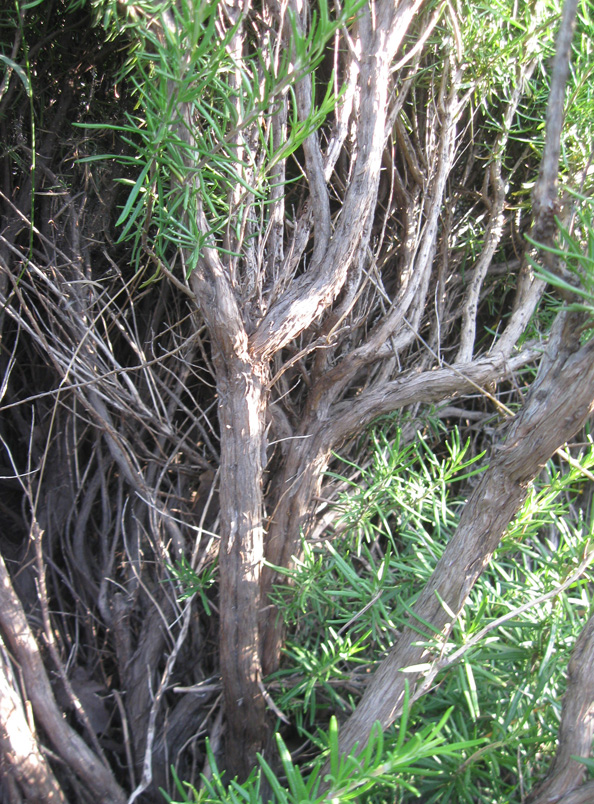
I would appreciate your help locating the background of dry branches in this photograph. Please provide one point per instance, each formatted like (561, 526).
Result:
(171, 399)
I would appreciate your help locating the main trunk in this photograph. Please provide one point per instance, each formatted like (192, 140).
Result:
(242, 419)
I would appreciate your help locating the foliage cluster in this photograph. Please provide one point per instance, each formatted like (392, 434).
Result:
(489, 727)
(202, 133)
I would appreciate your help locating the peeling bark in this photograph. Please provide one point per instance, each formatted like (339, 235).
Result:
(310, 450)
(582, 795)
(333, 285)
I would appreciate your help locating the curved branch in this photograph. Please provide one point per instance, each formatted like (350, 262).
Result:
(428, 387)
(68, 744)
(19, 750)
(311, 448)
(582, 795)
(495, 223)
(311, 293)
(379, 344)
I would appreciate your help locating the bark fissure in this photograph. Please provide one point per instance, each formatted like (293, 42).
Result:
(242, 404)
